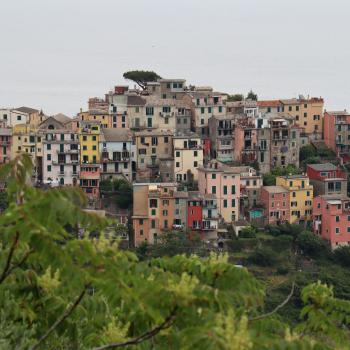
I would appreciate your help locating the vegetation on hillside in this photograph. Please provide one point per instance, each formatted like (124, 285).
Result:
(59, 290)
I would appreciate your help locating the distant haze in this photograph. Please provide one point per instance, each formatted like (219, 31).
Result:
(55, 54)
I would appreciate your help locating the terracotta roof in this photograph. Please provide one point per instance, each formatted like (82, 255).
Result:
(269, 103)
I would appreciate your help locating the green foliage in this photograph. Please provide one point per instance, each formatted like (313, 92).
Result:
(248, 232)
(3, 201)
(307, 151)
(60, 291)
(263, 256)
(342, 255)
(269, 179)
(312, 245)
(252, 96)
(141, 77)
(235, 98)
(121, 189)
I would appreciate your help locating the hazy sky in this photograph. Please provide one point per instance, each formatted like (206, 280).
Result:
(55, 54)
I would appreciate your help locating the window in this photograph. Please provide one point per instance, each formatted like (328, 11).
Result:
(297, 108)
(153, 223)
(337, 230)
(307, 192)
(290, 183)
(348, 229)
(166, 139)
(195, 164)
(48, 147)
(202, 110)
(84, 148)
(19, 117)
(149, 110)
(213, 176)
(337, 219)
(141, 232)
(153, 203)
(209, 109)
(213, 189)
(49, 157)
(165, 223)
(294, 194)
(233, 189)
(233, 203)
(195, 153)
(84, 138)
(165, 213)
(225, 203)
(290, 108)
(49, 168)
(177, 154)
(94, 148)
(178, 164)
(220, 109)
(225, 189)
(137, 109)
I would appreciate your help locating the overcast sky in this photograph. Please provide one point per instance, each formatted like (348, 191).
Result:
(55, 54)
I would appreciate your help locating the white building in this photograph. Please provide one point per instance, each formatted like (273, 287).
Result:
(117, 153)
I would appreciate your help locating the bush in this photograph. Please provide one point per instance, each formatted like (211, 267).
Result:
(248, 232)
(263, 256)
(342, 256)
(312, 245)
(282, 270)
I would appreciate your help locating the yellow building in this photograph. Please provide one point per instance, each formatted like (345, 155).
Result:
(188, 156)
(27, 139)
(308, 114)
(89, 142)
(96, 116)
(301, 197)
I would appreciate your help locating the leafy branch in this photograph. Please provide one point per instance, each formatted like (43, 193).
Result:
(278, 307)
(65, 315)
(143, 337)
(7, 268)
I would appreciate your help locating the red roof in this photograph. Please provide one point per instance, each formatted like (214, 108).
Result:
(270, 103)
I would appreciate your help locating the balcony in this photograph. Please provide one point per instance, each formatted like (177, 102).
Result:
(69, 151)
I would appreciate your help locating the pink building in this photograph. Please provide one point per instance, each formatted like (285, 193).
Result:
(331, 219)
(222, 181)
(90, 180)
(5, 144)
(337, 132)
(276, 202)
(245, 141)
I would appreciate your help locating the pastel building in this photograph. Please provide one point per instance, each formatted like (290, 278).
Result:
(337, 133)
(117, 151)
(331, 219)
(223, 182)
(202, 214)
(327, 179)
(5, 144)
(188, 156)
(275, 200)
(153, 210)
(61, 161)
(300, 197)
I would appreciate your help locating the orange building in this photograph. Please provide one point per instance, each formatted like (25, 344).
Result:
(153, 213)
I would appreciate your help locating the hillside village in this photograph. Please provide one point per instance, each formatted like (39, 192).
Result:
(172, 156)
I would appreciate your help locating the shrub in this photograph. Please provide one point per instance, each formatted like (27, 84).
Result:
(312, 245)
(263, 256)
(342, 256)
